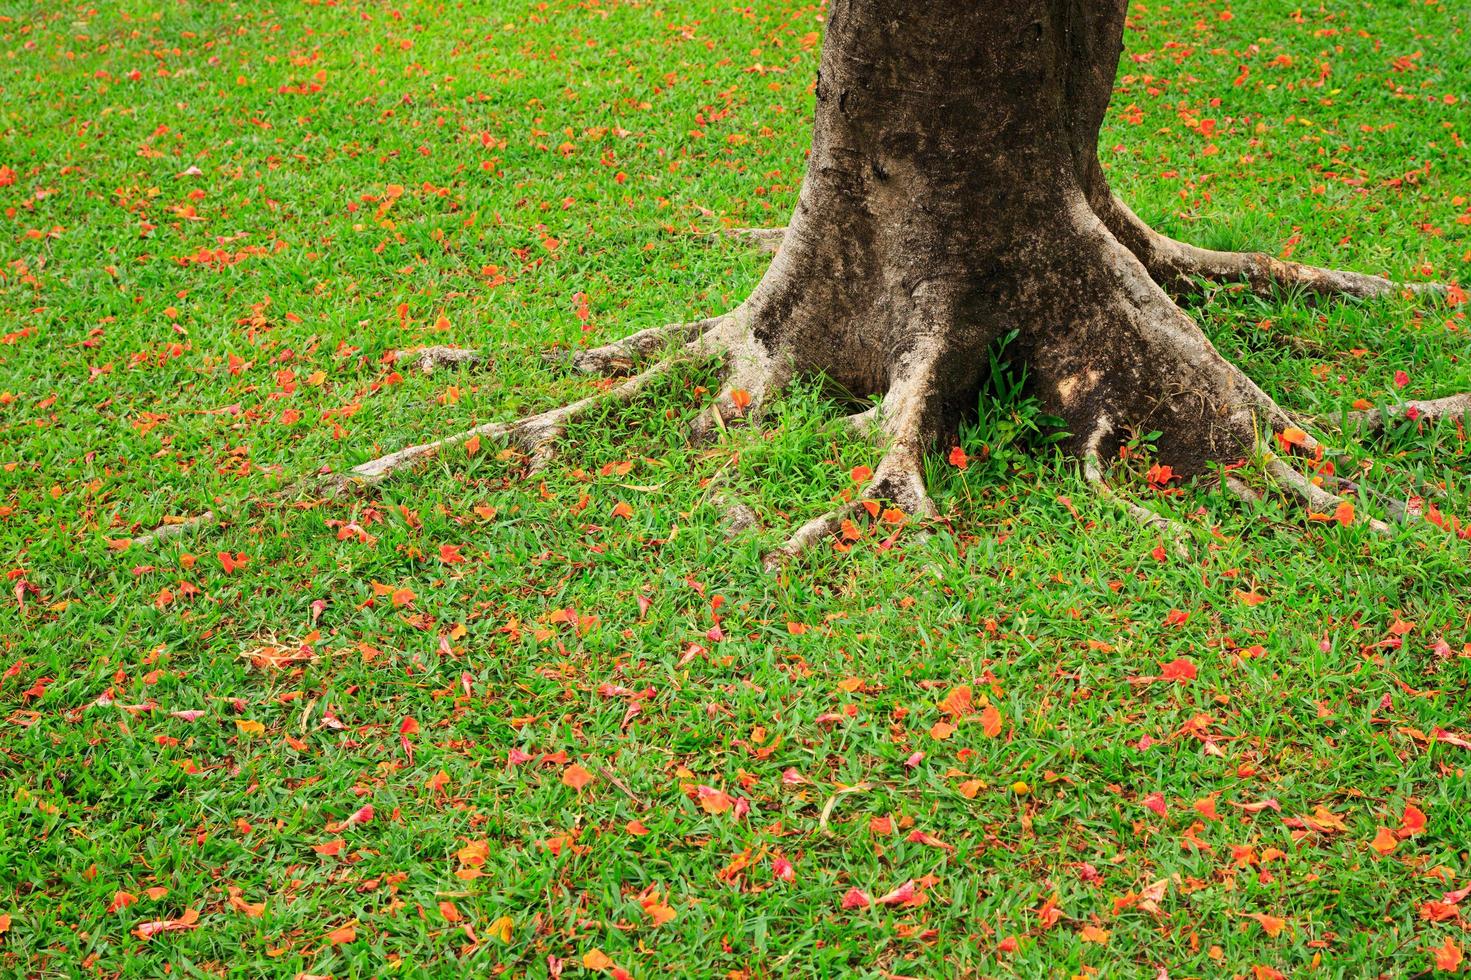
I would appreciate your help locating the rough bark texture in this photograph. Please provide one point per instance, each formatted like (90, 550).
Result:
(953, 196)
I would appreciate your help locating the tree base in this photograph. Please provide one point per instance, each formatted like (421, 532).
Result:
(1132, 361)
(1103, 390)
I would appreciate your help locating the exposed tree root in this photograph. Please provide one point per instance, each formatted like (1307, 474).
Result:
(1239, 489)
(1320, 503)
(1177, 265)
(1431, 410)
(535, 435)
(620, 356)
(751, 378)
(1207, 409)
(765, 239)
(812, 533)
(1174, 533)
(430, 359)
(1228, 407)
(865, 424)
(899, 479)
(1265, 274)
(174, 529)
(1131, 354)
(739, 518)
(906, 418)
(1398, 509)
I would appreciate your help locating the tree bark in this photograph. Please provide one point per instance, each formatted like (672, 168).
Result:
(954, 195)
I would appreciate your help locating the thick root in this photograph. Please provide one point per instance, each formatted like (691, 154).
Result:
(430, 359)
(537, 435)
(1239, 489)
(752, 378)
(1265, 275)
(1107, 351)
(1432, 410)
(765, 239)
(808, 535)
(1178, 266)
(1132, 361)
(1309, 493)
(865, 424)
(621, 356)
(1320, 503)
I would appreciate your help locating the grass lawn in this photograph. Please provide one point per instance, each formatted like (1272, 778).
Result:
(486, 723)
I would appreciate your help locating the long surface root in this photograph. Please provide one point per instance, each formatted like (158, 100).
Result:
(620, 356)
(1172, 531)
(1321, 504)
(1431, 410)
(1264, 275)
(430, 359)
(1176, 265)
(535, 435)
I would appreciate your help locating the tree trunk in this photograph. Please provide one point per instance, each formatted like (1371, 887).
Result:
(954, 195)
